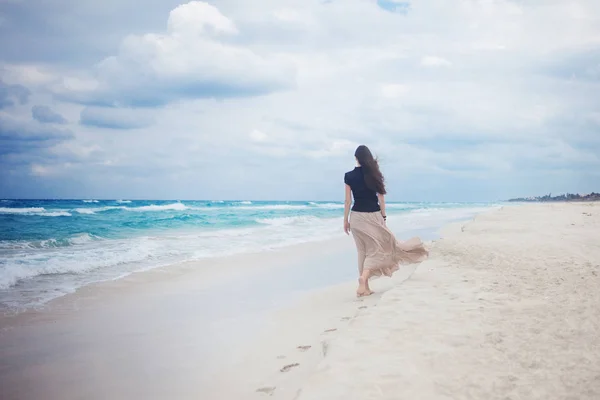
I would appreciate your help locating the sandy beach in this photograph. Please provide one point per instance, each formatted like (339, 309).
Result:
(508, 307)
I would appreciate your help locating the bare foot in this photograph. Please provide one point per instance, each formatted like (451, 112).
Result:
(364, 293)
(362, 288)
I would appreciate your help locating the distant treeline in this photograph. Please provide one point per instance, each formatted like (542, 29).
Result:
(563, 197)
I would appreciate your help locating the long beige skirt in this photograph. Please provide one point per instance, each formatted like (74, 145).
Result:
(378, 249)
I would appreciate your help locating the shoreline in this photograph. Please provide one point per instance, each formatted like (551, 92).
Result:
(42, 290)
(256, 326)
(204, 324)
(231, 303)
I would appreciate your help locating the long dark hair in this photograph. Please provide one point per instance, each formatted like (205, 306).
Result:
(373, 176)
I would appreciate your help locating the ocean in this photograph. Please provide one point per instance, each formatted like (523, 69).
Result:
(49, 248)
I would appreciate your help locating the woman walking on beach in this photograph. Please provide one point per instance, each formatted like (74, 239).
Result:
(379, 253)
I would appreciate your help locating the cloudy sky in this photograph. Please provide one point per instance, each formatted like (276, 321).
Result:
(462, 100)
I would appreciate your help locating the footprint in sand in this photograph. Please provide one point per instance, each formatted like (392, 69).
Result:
(288, 367)
(324, 348)
(303, 348)
(266, 390)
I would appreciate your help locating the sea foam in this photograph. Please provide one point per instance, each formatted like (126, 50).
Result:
(164, 207)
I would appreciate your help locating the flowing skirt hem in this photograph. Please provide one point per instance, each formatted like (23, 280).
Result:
(378, 249)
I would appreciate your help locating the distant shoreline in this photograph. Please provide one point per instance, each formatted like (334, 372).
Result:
(551, 201)
(564, 198)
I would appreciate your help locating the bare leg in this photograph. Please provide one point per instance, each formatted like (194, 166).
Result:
(363, 283)
(363, 288)
(368, 288)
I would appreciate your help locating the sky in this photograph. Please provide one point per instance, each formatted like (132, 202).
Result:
(464, 100)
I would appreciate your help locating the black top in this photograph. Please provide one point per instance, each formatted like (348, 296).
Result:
(365, 199)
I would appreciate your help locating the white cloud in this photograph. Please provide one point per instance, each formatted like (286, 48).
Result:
(393, 90)
(197, 19)
(334, 148)
(77, 84)
(40, 170)
(294, 16)
(432, 61)
(258, 136)
(190, 60)
(29, 75)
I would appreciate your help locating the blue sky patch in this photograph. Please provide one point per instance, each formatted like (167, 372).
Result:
(401, 7)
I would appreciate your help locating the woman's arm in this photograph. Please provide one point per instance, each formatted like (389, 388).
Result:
(347, 204)
(382, 204)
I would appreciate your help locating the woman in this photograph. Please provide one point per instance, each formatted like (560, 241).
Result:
(379, 253)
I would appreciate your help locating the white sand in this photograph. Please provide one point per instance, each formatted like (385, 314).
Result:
(298, 338)
(507, 309)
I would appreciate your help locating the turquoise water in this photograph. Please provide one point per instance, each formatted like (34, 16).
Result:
(52, 247)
